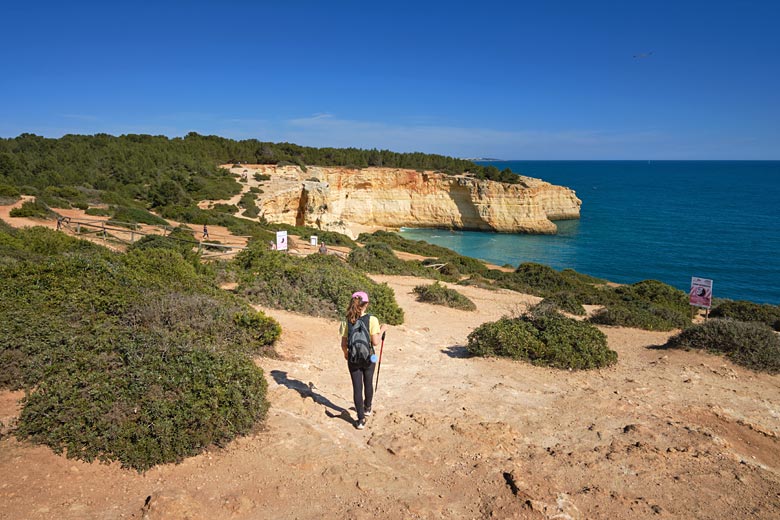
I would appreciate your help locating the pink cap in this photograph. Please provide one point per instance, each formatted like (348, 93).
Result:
(362, 295)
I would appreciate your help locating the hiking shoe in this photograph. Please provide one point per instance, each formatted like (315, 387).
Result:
(361, 424)
(367, 413)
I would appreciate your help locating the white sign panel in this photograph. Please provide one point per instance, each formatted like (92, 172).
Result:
(281, 240)
(701, 292)
(313, 240)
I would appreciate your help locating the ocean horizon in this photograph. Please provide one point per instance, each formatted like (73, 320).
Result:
(661, 220)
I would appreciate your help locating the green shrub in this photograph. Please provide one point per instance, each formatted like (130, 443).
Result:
(131, 357)
(457, 265)
(124, 214)
(33, 208)
(260, 177)
(142, 403)
(753, 345)
(440, 295)
(547, 340)
(248, 203)
(537, 279)
(749, 311)
(98, 212)
(649, 305)
(9, 192)
(378, 258)
(507, 337)
(230, 209)
(565, 301)
(657, 293)
(255, 190)
(320, 285)
(574, 276)
(180, 239)
(640, 315)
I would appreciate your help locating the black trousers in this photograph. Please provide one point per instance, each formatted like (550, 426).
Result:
(362, 378)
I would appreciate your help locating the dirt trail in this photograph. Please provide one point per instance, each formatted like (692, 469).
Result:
(217, 234)
(664, 434)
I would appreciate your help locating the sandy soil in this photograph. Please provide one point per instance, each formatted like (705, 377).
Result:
(663, 434)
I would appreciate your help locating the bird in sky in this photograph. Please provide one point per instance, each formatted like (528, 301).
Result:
(643, 55)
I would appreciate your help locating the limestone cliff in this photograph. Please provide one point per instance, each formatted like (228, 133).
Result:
(333, 198)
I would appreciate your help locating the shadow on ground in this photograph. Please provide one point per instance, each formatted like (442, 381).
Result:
(308, 390)
(456, 351)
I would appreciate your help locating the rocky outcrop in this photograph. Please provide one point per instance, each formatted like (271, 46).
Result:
(340, 198)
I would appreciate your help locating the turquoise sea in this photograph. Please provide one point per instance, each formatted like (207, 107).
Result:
(661, 220)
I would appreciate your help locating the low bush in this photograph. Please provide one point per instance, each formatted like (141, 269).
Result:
(749, 311)
(136, 216)
(181, 239)
(143, 402)
(640, 315)
(9, 192)
(438, 294)
(34, 209)
(546, 340)
(230, 209)
(378, 258)
(536, 279)
(565, 301)
(248, 203)
(657, 293)
(750, 344)
(260, 177)
(130, 357)
(65, 196)
(320, 285)
(98, 212)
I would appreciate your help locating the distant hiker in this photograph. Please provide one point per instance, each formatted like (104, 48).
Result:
(205, 232)
(59, 223)
(360, 332)
(272, 245)
(323, 248)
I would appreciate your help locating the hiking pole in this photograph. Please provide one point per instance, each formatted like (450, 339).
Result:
(379, 366)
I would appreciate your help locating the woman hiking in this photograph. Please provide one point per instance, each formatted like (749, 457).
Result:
(360, 332)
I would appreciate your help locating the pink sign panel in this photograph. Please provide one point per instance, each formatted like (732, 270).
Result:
(701, 292)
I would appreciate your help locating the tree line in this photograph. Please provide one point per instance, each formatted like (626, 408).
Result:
(186, 167)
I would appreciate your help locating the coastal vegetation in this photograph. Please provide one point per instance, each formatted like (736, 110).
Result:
(749, 311)
(649, 304)
(751, 344)
(135, 357)
(32, 208)
(543, 338)
(319, 285)
(164, 171)
(438, 294)
(564, 301)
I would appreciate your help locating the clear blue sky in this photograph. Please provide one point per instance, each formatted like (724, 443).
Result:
(513, 80)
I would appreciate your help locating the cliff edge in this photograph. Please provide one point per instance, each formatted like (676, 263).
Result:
(339, 199)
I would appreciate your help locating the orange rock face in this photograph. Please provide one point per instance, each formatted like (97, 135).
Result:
(337, 199)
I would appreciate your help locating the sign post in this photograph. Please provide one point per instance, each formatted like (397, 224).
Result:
(281, 240)
(313, 240)
(701, 294)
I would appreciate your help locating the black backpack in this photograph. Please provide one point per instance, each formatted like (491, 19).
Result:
(359, 346)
